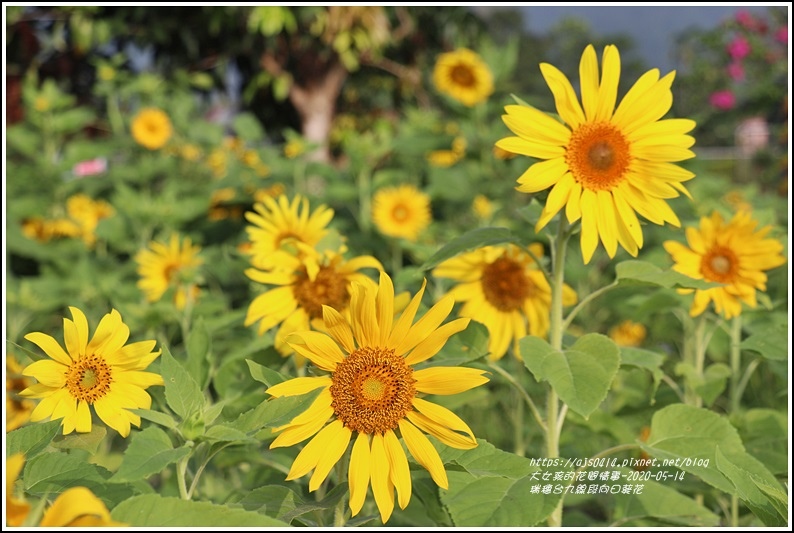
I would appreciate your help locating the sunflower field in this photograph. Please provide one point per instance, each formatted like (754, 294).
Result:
(392, 266)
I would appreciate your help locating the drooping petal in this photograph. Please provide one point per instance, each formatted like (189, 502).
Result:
(441, 432)
(83, 417)
(112, 415)
(398, 468)
(589, 236)
(424, 453)
(380, 478)
(359, 473)
(298, 386)
(335, 446)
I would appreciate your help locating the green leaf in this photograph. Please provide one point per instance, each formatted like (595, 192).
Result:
(771, 343)
(644, 273)
(581, 376)
(274, 412)
(648, 360)
(82, 441)
(224, 433)
(198, 352)
(468, 241)
(32, 439)
(737, 470)
(329, 502)
(157, 417)
(765, 436)
(248, 127)
(149, 452)
(53, 473)
(495, 488)
(715, 378)
(690, 435)
(152, 510)
(264, 374)
(662, 502)
(181, 391)
(272, 500)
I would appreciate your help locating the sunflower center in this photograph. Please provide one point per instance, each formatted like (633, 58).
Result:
(372, 390)
(399, 213)
(88, 379)
(598, 155)
(505, 285)
(170, 271)
(328, 288)
(719, 265)
(462, 75)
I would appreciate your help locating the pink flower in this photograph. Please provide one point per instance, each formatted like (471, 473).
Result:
(723, 100)
(745, 18)
(781, 35)
(738, 48)
(736, 71)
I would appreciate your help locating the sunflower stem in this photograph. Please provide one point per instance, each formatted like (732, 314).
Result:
(396, 257)
(523, 393)
(181, 474)
(554, 421)
(586, 300)
(736, 363)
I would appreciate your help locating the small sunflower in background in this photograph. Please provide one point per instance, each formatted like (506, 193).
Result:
(628, 333)
(402, 211)
(463, 75)
(732, 253)
(151, 128)
(604, 164)
(279, 224)
(503, 288)
(371, 391)
(18, 409)
(162, 266)
(104, 372)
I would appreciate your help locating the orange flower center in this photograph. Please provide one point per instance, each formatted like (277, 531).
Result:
(328, 288)
(720, 265)
(399, 213)
(598, 155)
(89, 378)
(505, 285)
(372, 390)
(463, 76)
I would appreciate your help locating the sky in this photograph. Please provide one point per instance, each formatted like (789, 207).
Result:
(652, 27)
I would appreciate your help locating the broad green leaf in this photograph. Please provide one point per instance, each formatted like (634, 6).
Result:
(737, 469)
(32, 439)
(149, 452)
(468, 241)
(156, 416)
(225, 433)
(661, 501)
(181, 391)
(152, 510)
(771, 343)
(777, 497)
(650, 361)
(53, 473)
(582, 375)
(198, 351)
(690, 435)
(273, 412)
(329, 502)
(765, 436)
(715, 378)
(644, 273)
(264, 374)
(487, 460)
(248, 127)
(82, 441)
(272, 500)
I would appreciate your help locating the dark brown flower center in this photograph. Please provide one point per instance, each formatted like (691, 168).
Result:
(719, 264)
(463, 76)
(89, 378)
(505, 284)
(328, 288)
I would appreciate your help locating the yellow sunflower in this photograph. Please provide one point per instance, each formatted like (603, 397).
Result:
(303, 286)
(402, 211)
(732, 253)
(18, 410)
(87, 213)
(463, 75)
(604, 164)
(504, 289)
(278, 224)
(162, 266)
(628, 333)
(373, 391)
(102, 372)
(151, 128)
(75, 507)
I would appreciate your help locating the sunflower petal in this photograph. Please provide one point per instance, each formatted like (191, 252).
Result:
(380, 472)
(318, 347)
(310, 454)
(298, 386)
(448, 379)
(335, 446)
(564, 96)
(48, 372)
(443, 416)
(435, 341)
(398, 468)
(403, 324)
(384, 303)
(338, 328)
(608, 89)
(588, 81)
(50, 346)
(424, 453)
(426, 325)
(359, 473)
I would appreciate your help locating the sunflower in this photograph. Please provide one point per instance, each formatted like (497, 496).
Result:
(463, 75)
(732, 253)
(402, 211)
(87, 213)
(161, 266)
(75, 507)
(279, 223)
(604, 164)
(151, 128)
(373, 390)
(303, 286)
(17, 410)
(102, 372)
(628, 333)
(504, 289)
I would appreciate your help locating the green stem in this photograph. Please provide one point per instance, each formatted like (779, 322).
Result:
(518, 429)
(734, 510)
(181, 474)
(340, 513)
(586, 300)
(700, 354)
(554, 422)
(364, 199)
(736, 362)
(396, 257)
